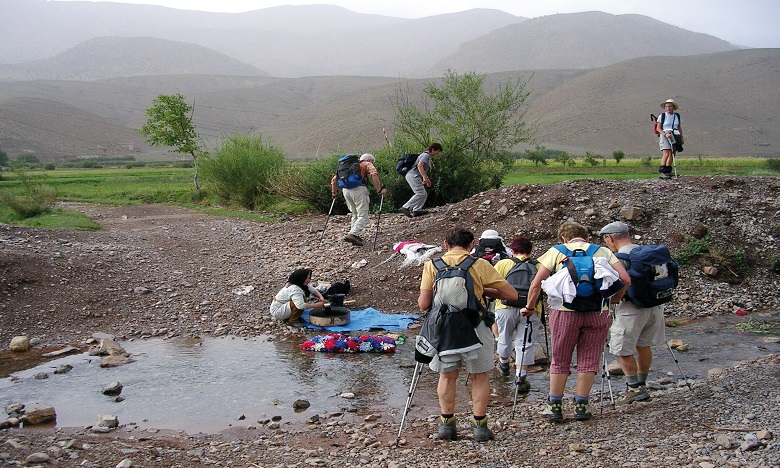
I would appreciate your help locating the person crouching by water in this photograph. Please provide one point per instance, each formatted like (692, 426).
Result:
(290, 302)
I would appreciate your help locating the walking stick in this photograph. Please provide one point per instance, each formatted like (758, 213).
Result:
(543, 319)
(674, 163)
(327, 218)
(527, 331)
(605, 371)
(412, 388)
(378, 217)
(679, 368)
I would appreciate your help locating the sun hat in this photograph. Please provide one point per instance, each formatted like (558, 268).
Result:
(490, 234)
(367, 157)
(616, 227)
(669, 101)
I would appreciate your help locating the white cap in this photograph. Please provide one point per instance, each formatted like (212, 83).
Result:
(367, 157)
(490, 234)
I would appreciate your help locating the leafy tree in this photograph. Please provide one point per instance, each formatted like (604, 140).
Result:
(27, 160)
(564, 158)
(477, 130)
(590, 159)
(240, 169)
(537, 156)
(3, 159)
(618, 156)
(170, 124)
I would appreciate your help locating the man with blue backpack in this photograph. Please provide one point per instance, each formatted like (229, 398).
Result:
(639, 317)
(351, 175)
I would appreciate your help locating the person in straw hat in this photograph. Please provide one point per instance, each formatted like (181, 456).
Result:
(670, 133)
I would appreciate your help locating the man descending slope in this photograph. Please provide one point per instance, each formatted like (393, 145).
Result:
(351, 177)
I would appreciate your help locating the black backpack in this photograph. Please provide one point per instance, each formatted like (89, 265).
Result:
(654, 275)
(348, 172)
(453, 288)
(520, 277)
(491, 250)
(405, 163)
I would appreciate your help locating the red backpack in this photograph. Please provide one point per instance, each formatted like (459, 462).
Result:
(655, 124)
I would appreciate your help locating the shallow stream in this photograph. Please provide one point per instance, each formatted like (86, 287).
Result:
(210, 385)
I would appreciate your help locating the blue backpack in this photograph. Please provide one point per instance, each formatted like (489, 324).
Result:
(348, 172)
(654, 275)
(582, 270)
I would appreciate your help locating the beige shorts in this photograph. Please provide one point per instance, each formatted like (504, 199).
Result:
(483, 359)
(634, 327)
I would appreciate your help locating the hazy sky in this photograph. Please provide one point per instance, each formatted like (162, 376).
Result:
(752, 23)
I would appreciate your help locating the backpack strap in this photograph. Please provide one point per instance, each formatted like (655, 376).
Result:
(439, 264)
(591, 251)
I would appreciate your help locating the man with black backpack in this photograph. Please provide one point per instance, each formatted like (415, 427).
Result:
(515, 333)
(351, 176)
(456, 332)
(639, 317)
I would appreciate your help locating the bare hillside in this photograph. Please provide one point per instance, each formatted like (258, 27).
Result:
(729, 107)
(108, 57)
(577, 40)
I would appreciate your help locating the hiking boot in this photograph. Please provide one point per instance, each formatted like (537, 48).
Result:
(406, 211)
(523, 386)
(354, 240)
(582, 411)
(447, 429)
(482, 432)
(634, 394)
(664, 175)
(554, 410)
(503, 367)
(419, 213)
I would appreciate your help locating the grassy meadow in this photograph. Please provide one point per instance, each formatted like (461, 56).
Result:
(160, 184)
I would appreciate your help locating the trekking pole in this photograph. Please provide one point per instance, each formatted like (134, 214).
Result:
(412, 388)
(527, 331)
(543, 319)
(327, 218)
(378, 217)
(605, 371)
(674, 163)
(679, 368)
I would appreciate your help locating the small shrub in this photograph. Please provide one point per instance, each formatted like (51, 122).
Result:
(590, 159)
(184, 164)
(694, 248)
(646, 161)
(773, 164)
(49, 167)
(774, 264)
(618, 156)
(37, 198)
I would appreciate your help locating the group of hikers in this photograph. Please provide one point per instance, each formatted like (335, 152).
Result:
(482, 298)
(577, 321)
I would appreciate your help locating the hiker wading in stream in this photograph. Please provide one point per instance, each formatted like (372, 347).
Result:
(479, 361)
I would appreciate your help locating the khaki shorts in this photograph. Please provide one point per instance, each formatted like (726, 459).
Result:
(483, 361)
(634, 327)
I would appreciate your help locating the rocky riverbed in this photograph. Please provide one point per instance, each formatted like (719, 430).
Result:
(164, 271)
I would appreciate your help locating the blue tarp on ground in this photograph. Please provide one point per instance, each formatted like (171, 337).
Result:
(367, 319)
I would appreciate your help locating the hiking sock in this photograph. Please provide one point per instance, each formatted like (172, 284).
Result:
(447, 417)
(581, 399)
(633, 381)
(661, 169)
(668, 169)
(555, 398)
(479, 418)
(503, 360)
(642, 378)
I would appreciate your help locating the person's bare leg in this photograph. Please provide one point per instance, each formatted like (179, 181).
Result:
(446, 391)
(480, 393)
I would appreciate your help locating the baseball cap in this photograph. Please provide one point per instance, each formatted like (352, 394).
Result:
(490, 234)
(616, 227)
(367, 157)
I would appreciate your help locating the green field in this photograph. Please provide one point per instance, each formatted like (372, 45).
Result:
(144, 185)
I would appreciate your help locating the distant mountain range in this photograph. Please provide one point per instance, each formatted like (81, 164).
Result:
(76, 77)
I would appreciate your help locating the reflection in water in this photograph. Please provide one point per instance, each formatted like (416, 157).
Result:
(207, 385)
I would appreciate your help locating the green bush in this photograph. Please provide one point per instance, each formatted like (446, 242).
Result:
(36, 199)
(646, 161)
(693, 248)
(774, 263)
(773, 164)
(240, 169)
